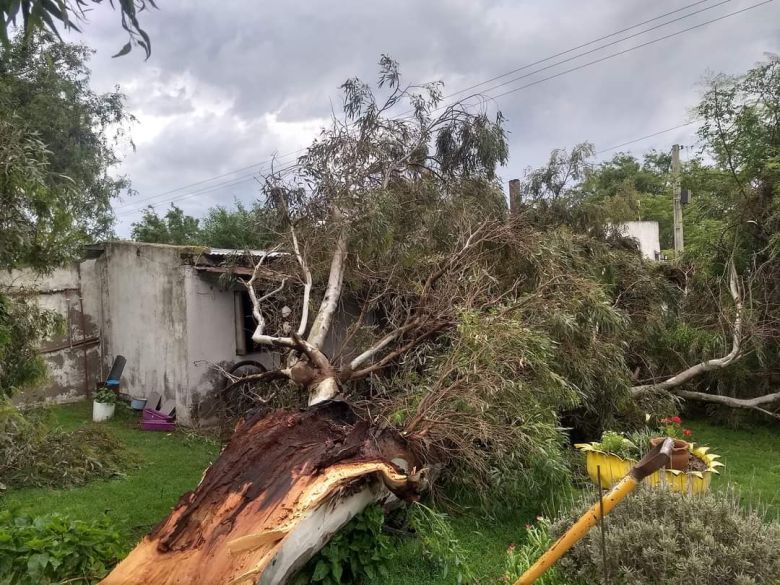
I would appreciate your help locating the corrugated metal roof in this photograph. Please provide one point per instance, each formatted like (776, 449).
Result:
(229, 252)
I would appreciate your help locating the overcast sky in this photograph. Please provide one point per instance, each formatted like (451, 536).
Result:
(230, 83)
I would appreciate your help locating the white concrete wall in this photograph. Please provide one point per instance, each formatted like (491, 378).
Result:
(646, 233)
(211, 339)
(72, 357)
(144, 317)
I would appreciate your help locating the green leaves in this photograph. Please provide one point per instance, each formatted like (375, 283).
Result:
(51, 549)
(358, 553)
(34, 454)
(57, 141)
(44, 15)
(124, 50)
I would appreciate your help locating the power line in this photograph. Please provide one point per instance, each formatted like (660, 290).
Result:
(533, 83)
(202, 191)
(560, 53)
(262, 164)
(583, 45)
(634, 48)
(641, 138)
(610, 44)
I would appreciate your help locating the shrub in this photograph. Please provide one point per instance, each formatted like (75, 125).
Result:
(105, 396)
(23, 326)
(520, 558)
(439, 543)
(617, 444)
(33, 453)
(662, 537)
(54, 549)
(358, 553)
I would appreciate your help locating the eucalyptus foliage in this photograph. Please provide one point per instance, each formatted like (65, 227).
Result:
(57, 146)
(47, 15)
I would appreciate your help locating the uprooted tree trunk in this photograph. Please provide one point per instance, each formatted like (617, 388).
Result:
(286, 482)
(673, 384)
(281, 488)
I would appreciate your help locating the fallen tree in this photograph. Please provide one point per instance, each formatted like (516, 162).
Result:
(484, 327)
(288, 480)
(673, 384)
(283, 485)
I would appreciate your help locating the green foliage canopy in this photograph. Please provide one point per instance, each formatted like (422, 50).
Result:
(57, 147)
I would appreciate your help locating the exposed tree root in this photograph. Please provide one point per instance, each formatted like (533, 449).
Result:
(279, 490)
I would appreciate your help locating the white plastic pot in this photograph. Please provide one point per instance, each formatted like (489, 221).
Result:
(102, 411)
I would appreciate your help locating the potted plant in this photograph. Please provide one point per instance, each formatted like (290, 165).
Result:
(609, 460)
(672, 427)
(103, 405)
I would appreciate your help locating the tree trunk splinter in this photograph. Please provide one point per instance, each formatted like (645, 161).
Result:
(284, 484)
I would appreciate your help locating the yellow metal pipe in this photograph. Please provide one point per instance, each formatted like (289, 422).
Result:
(656, 458)
(580, 528)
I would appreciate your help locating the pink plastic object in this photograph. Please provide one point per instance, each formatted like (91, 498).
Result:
(158, 425)
(150, 414)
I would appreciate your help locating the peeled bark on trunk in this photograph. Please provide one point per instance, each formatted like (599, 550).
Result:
(284, 484)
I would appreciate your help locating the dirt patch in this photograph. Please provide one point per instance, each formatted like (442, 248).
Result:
(695, 464)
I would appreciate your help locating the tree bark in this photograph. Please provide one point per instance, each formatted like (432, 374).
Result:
(284, 484)
(330, 301)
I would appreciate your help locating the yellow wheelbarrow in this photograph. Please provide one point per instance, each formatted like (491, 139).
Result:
(656, 458)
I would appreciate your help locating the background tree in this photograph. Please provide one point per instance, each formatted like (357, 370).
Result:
(57, 141)
(173, 228)
(237, 228)
(70, 135)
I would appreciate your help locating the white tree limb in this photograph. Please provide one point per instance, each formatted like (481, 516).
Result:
(756, 404)
(380, 345)
(307, 282)
(709, 365)
(258, 336)
(321, 325)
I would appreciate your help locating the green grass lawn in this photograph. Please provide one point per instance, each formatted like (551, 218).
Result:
(172, 463)
(752, 462)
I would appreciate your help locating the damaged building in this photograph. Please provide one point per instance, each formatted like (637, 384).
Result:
(169, 310)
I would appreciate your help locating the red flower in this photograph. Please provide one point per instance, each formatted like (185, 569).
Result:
(666, 420)
(676, 419)
(687, 432)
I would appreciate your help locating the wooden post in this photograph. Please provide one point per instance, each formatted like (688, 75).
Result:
(514, 196)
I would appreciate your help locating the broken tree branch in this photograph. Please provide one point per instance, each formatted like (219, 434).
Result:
(756, 404)
(286, 482)
(307, 281)
(330, 301)
(709, 365)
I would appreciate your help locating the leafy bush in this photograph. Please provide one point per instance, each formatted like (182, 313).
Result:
(439, 542)
(105, 396)
(662, 537)
(23, 326)
(617, 444)
(33, 453)
(520, 558)
(53, 548)
(358, 553)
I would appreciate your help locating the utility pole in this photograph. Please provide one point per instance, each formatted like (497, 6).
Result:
(676, 191)
(514, 196)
